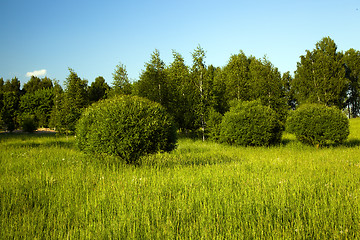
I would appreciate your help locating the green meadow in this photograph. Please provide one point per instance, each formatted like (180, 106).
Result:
(201, 190)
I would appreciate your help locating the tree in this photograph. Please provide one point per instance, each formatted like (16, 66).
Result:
(320, 76)
(36, 83)
(236, 74)
(182, 92)
(266, 85)
(352, 62)
(98, 90)
(9, 111)
(10, 96)
(287, 80)
(198, 71)
(1, 102)
(209, 86)
(38, 104)
(248, 79)
(75, 100)
(153, 81)
(220, 103)
(1, 88)
(56, 118)
(121, 83)
(12, 86)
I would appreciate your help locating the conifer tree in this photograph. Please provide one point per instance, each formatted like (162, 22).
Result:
(75, 100)
(121, 84)
(153, 83)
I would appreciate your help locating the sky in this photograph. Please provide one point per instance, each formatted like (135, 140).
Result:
(45, 38)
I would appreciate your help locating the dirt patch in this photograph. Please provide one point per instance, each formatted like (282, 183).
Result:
(45, 130)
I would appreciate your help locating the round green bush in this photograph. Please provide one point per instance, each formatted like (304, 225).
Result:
(317, 124)
(250, 124)
(126, 126)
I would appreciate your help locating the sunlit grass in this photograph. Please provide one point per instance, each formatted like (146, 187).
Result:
(202, 190)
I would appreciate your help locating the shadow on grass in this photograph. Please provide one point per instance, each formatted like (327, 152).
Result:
(58, 144)
(351, 143)
(175, 160)
(285, 142)
(35, 140)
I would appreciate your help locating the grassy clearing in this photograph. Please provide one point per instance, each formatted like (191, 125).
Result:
(49, 189)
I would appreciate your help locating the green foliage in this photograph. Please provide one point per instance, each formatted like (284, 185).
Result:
(39, 104)
(250, 124)
(121, 83)
(320, 76)
(289, 93)
(267, 85)
(352, 63)
(213, 125)
(74, 101)
(248, 79)
(9, 103)
(202, 86)
(236, 73)
(28, 123)
(220, 103)
(12, 86)
(35, 84)
(182, 96)
(126, 126)
(1, 123)
(56, 112)
(317, 124)
(98, 90)
(9, 112)
(153, 83)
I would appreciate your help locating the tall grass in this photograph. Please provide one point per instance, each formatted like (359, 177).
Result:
(202, 190)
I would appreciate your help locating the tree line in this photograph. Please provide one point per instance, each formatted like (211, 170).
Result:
(194, 94)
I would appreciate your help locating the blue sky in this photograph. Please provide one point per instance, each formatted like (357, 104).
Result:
(92, 37)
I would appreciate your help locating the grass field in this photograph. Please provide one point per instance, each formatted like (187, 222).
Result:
(202, 190)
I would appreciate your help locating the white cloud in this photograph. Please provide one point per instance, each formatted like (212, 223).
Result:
(36, 73)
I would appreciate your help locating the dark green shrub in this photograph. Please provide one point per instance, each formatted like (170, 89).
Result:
(317, 124)
(2, 127)
(213, 125)
(28, 123)
(126, 126)
(250, 124)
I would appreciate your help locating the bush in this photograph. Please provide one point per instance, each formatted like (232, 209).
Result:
(28, 123)
(250, 124)
(317, 124)
(213, 125)
(1, 123)
(125, 126)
